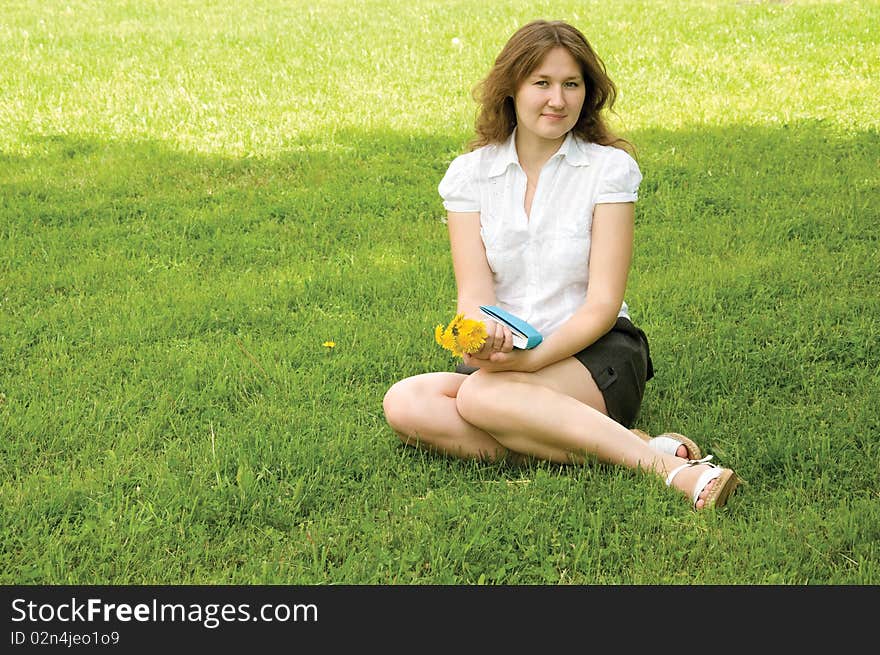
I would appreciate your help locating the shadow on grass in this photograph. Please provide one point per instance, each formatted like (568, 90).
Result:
(756, 249)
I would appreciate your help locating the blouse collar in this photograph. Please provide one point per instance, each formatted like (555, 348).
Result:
(572, 150)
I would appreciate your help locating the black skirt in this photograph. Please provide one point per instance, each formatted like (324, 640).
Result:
(620, 363)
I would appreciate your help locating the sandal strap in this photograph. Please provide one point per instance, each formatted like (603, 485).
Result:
(666, 444)
(704, 479)
(687, 464)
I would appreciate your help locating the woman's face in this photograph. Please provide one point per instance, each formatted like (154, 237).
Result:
(548, 102)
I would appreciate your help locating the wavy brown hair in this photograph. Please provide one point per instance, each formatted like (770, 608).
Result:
(521, 55)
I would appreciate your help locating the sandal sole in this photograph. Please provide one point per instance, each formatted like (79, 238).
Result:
(724, 486)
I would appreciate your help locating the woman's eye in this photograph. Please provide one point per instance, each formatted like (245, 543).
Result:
(571, 85)
(541, 83)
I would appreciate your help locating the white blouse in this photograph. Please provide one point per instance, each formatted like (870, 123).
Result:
(541, 261)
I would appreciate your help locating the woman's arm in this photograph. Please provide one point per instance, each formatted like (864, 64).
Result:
(473, 277)
(611, 246)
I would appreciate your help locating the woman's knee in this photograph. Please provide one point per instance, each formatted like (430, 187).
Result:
(481, 394)
(409, 403)
(397, 405)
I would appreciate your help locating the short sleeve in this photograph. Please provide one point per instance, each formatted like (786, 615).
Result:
(458, 188)
(620, 178)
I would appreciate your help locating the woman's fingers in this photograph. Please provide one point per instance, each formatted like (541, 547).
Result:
(490, 345)
(498, 341)
(499, 338)
(507, 344)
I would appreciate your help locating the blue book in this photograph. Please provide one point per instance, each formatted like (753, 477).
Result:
(524, 335)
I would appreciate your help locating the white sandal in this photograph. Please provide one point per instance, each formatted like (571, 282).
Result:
(669, 443)
(725, 482)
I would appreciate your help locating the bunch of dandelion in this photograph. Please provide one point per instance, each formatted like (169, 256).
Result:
(462, 335)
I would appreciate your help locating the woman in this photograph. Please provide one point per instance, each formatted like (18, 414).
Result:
(540, 214)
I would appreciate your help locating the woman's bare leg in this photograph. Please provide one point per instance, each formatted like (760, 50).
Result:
(551, 414)
(556, 414)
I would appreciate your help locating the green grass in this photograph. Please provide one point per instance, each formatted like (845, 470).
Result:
(194, 197)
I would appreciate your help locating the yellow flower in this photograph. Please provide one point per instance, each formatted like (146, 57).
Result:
(447, 339)
(329, 344)
(471, 335)
(462, 335)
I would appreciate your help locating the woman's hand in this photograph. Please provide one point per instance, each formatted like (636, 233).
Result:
(499, 339)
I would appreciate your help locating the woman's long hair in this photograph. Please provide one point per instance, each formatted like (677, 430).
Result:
(521, 55)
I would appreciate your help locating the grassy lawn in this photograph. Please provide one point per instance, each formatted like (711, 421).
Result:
(196, 196)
